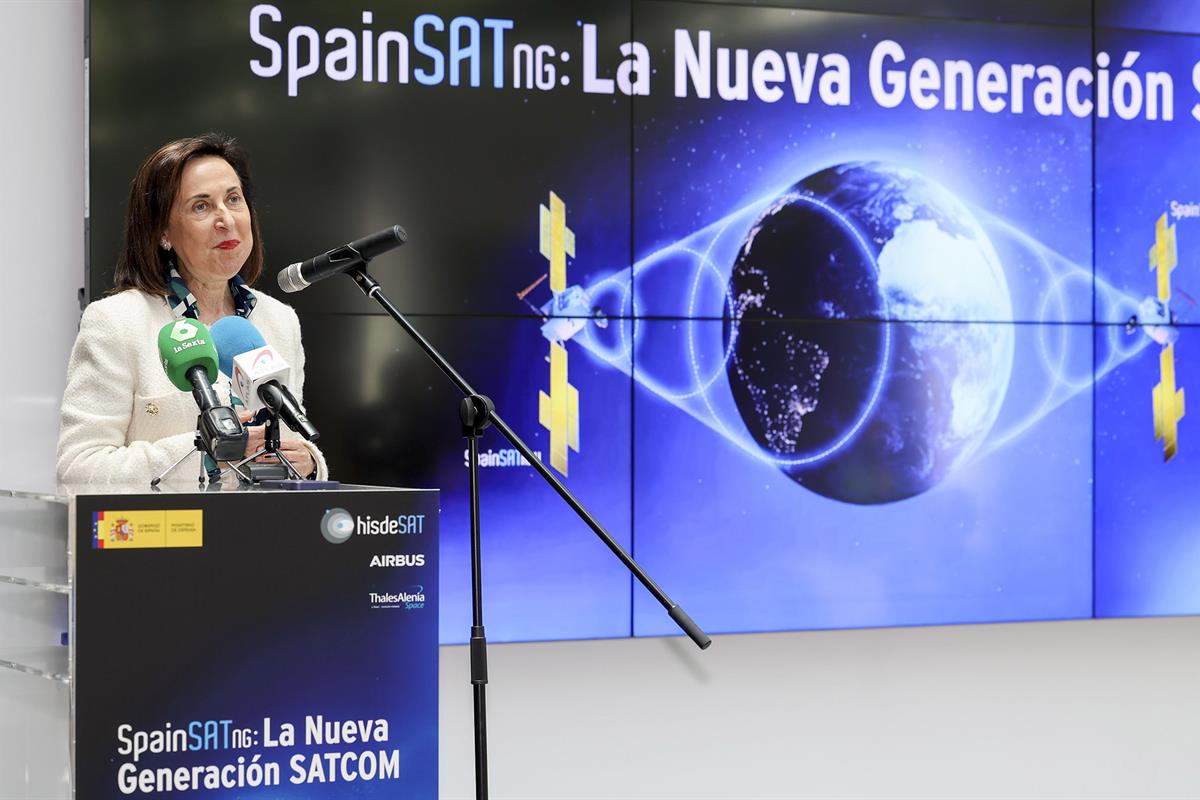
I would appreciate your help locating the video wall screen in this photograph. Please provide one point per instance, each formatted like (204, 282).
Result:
(868, 315)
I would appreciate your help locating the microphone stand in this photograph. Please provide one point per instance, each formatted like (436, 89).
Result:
(476, 413)
(197, 447)
(271, 446)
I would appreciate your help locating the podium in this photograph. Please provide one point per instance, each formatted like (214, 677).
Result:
(230, 643)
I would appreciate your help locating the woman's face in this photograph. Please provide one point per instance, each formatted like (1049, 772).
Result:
(209, 226)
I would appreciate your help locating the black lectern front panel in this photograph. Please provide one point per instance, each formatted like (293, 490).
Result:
(256, 644)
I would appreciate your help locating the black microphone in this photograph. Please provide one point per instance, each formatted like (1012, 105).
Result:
(278, 400)
(221, 432)
(298, 276)
(202, 388)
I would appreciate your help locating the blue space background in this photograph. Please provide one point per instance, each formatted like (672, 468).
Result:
(1024, 531)
(1065, 509)
(1147, 536)
(1009, 535)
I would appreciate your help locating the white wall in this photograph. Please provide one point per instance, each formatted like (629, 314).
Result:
(34, 743)
(1089, 709)
(41, 213)
(41, 226)
(1079, 709)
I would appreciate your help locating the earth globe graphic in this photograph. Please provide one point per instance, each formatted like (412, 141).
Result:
(865, 356)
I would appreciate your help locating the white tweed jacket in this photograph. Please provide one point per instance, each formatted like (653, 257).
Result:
(123, 421)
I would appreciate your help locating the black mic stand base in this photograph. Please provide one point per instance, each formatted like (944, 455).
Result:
(280, 470)
(265, 471)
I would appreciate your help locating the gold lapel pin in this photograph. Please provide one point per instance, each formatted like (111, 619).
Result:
(152, 408)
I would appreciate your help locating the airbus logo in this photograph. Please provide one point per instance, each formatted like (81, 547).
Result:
(410, 560)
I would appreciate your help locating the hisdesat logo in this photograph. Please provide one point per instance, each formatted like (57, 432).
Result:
(337, 526)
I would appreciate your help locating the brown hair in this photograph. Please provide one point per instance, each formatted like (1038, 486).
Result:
(142, 262)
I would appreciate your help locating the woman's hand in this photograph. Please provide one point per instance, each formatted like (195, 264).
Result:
(291, 449)
(299, 456)
(256, 434)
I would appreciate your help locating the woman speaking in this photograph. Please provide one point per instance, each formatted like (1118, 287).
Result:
(191, 249)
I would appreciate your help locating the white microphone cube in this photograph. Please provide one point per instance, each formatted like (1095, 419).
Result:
(254, 368)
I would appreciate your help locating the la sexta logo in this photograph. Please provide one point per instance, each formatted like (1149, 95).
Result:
(184, 330)
(337, 526)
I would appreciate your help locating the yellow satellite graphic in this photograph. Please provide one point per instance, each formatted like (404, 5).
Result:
(1159, 324)
(563, 316)
(568, 312)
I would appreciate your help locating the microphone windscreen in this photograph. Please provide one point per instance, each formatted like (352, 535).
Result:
(234, 335)
(183, 344)
(290, 280)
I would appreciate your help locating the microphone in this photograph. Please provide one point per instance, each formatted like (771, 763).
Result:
(190, 360)
(258, 372)
(298, 276)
